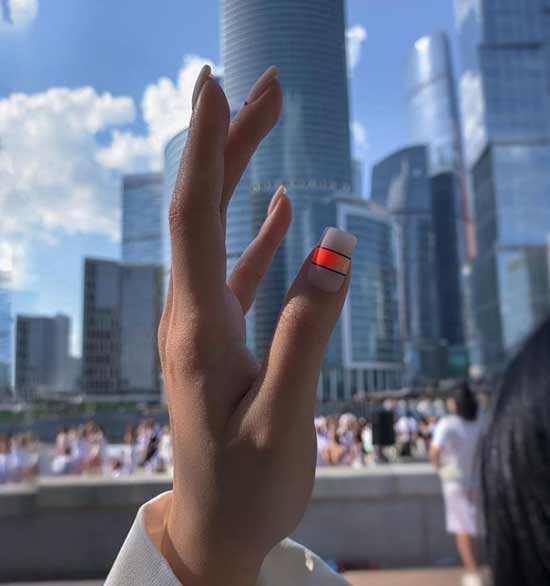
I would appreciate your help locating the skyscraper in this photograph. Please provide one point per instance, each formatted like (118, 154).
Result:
(309, 152)
(6, 329)
(432, 103)
(371, 338)
(434, 121)
(309, 149)
(141, 218)
(122, 307)
(504, 87)
(401, 184)
(42, 355)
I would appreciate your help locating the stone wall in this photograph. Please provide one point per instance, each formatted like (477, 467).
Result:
(72, 528)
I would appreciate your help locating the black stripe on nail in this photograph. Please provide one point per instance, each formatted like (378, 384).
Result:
(326, 268)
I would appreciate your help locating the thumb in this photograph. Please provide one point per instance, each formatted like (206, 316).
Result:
(309, 314)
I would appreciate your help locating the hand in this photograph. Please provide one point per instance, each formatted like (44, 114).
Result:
(243, 434)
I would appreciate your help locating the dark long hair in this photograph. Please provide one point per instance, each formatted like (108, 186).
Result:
(466, 402)
(515, 465)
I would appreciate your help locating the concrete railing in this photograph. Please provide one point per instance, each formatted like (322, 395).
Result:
(72, 528)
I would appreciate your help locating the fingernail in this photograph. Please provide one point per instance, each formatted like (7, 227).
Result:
(281, 191)
(201, 80)
(261, 84)
(331, 260)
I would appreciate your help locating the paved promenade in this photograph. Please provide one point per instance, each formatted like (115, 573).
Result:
(443, 577)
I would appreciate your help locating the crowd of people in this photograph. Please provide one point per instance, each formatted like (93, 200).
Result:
(348, 440)
(84, 449)
(342, 440)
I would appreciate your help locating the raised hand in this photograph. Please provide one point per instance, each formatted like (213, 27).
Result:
(243, 436)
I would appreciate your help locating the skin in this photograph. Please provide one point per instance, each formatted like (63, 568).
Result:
(243, 432)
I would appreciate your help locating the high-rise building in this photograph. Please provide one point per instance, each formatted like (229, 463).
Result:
(309, 152)
(372, 349)
(401, 184)
(434, 121)
(309, 149)
(357, 177)
(505, 98)
(41, 355)
(432, 103)
(141, 218)
(6, 329)
(122, 307)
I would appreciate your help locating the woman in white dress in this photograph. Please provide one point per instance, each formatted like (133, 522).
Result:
(454, 452)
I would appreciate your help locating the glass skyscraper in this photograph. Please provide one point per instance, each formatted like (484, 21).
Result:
(309, 152)
(434, 121)
(401, 184)
(309, 149)
(141, 218)
(504, 86)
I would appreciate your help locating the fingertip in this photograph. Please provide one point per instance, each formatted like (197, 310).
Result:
(212, 107)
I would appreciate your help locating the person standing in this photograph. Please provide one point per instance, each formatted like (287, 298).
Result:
(453, 452)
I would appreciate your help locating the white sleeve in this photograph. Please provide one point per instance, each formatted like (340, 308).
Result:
(140, 563)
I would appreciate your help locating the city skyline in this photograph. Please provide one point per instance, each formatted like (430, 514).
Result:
(56, 257)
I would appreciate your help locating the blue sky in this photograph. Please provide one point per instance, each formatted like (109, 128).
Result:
(123, 72)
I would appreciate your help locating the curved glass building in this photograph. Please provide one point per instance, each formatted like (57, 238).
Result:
(401, 184)
(308, 151)
(432, 103)
(434, 121)
(142, 197)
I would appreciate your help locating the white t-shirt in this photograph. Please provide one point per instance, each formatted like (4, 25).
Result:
(458, 441)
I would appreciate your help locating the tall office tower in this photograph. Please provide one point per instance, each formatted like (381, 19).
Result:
(434, 121)
(309, 150)
(372, 349)
(122, 307)
(401, 184)
(357, 177)
(141, 218)
(6, 330)
(41, 355)
(504, 88)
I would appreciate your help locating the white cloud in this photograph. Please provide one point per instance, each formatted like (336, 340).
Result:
(17, 14)
(355, 37)
(166, 109)
(52, 182)
(360, 138)
(58, 178)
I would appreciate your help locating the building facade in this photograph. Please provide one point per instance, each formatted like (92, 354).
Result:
(122, 308)
(504, 81)
(42, 355)
(401, 184)
(432, 106)
(142, 206)
(6, 336)
(309, 149)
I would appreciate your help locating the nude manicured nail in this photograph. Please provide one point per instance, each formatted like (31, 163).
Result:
(331, 260)
(281, 191)
(261, 84)
(201, 80)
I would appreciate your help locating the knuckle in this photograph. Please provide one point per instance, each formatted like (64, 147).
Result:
(298, 313)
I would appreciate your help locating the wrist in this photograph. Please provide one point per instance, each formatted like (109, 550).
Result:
(197, 560)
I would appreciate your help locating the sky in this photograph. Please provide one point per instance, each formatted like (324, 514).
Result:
(92, 89)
